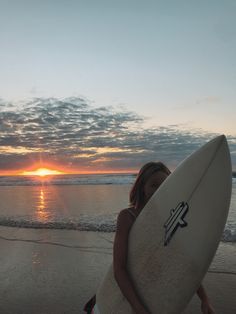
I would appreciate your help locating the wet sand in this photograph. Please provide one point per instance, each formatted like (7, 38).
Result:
(45, 271)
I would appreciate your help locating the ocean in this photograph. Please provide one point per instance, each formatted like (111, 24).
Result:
(79, 202)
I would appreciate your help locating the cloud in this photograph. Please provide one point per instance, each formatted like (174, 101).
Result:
(72, 133)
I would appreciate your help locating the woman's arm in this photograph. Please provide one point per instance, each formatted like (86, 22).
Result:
(124, 223)
(206, 306)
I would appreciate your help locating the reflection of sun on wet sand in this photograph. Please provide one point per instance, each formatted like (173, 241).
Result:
(42, 214)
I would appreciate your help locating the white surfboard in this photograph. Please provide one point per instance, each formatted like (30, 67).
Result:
(175, 237)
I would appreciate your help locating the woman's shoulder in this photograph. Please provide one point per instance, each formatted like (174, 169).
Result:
(127, 212)
(125, 220)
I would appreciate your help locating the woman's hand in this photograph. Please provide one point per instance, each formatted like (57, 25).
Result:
(206, 307)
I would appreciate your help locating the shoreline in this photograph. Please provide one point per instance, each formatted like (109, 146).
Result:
(48, 271)
(76, 226)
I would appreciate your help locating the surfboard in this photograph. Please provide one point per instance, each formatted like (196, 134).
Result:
(175, 237)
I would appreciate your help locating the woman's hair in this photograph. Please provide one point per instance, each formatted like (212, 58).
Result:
(136, 196)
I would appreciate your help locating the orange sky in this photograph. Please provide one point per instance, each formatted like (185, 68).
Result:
(52, 170)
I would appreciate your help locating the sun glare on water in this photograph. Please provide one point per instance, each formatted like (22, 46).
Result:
(42, 172)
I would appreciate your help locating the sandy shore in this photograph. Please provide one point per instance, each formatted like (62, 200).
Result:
(46, 271)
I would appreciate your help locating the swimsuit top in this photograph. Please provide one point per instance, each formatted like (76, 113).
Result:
(132, 214)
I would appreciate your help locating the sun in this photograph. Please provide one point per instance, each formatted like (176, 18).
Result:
(42, 172)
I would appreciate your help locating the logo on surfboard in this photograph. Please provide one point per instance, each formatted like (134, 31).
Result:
(175, 220)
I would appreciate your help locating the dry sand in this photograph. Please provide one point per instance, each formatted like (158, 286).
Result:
(45, 271)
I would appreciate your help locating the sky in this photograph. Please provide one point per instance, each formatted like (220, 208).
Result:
(98, 85)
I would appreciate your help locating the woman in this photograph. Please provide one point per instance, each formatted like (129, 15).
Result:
(149, 179)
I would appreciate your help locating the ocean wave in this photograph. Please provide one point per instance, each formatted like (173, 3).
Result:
(229, 235)
(102, 223)
(67, 180)
(99, 179)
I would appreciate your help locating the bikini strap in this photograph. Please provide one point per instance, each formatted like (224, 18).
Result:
(130, 211)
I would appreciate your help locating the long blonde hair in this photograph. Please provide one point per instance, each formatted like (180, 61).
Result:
(136, 196)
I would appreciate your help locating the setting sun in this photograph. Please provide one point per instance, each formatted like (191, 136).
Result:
(42, 172)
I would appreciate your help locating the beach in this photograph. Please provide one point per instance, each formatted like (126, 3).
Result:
(48, 271)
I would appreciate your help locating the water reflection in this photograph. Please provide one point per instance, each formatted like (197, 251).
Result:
(42, 205)
(36, 259)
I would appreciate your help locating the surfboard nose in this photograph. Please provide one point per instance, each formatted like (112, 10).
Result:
(219, 143)
(204, 155)
(219, 140)
(214, 146)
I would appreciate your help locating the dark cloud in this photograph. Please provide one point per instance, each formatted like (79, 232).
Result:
(72, 133)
